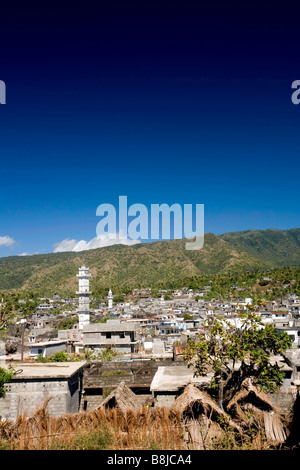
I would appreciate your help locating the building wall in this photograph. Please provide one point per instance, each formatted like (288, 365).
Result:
(73, 396)
(99, 338)
(133, 372)
(69, 335)
(48, 350)
(121, 348)
(165, 400)
(284, 398)
(118, 340)
(28, 395)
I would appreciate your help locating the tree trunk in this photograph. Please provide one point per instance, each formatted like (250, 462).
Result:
(222, 386)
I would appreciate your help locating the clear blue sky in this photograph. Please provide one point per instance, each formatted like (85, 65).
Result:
(165, 102)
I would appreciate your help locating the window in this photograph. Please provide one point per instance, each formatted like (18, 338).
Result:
(122, 335)
(108, 335)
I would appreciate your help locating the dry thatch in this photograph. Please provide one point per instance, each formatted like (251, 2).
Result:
(147, 428)
(123, 399)
(202, 417)
(194, 402)
(252, 400)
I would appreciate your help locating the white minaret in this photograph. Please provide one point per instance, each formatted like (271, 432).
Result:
(84, 296)
(110, 299)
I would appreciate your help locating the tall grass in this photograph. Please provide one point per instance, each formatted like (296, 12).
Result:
(98, 429)
(110, 429)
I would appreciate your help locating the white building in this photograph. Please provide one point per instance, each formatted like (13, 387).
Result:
(110, 299)
(84, 296)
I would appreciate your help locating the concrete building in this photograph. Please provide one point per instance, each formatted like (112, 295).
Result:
(292, 331)
(169, 382)
(101, 377)
(47, 348)
(84, 296)
(114, 334)
(36, 333)
(35, 383)
(72, 335)
(286, 394)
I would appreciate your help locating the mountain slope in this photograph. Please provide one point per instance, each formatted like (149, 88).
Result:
(151, 263)
(274, 248)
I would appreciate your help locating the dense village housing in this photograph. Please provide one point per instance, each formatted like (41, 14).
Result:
(133, 348)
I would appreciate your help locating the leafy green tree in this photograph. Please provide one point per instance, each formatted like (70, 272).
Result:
(67, 323)
(118, 298)
(5, 377)
(60, 356)
(187, 316)
(6, 313)
(233, 354)
(108, 354)
(40, 358)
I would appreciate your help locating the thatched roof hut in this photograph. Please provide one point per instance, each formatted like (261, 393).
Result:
(250, 399)
(194, 402)
(123, 399)
(200, 414)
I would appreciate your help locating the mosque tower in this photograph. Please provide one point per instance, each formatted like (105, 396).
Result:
(110, 299)
(84, 296)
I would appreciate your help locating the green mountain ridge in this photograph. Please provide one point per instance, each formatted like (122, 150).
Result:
(275, 248)
(153, 263)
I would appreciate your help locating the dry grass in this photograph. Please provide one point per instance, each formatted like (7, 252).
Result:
(112, 429)
(101, 428)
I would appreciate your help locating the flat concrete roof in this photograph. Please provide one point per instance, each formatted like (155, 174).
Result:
(48, 343)
(111, 326)
(172, 378)
(46, 371)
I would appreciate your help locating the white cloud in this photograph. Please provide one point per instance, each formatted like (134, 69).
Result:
(98, 242)
(28, 254)
(64, 245)
(6, 241)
